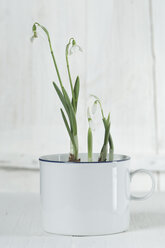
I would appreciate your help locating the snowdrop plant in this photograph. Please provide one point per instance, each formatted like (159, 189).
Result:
(107, 135)
(70, 104)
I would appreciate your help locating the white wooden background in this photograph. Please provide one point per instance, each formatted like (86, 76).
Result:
(122, 63)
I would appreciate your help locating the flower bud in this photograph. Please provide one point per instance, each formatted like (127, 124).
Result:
(34, 28)
(73, 42)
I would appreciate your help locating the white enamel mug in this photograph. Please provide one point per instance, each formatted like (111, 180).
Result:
(87, 198)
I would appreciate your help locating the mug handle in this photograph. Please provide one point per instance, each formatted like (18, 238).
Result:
(148, 194)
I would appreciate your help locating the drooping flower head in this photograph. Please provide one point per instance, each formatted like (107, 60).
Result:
(34, 29)
(92, 111)
(73, 47)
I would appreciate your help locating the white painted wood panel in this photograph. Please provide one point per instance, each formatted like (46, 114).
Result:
(122, 63)
(20, 226)
(158, 19)
(31, 123)
(19, 180)
(119, 70)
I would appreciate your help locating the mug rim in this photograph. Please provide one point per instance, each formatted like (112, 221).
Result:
(48, 158)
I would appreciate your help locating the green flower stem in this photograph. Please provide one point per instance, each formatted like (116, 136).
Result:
(51, 50)
(90, 144)
(68, 69)
(71, 148)
(75, 148)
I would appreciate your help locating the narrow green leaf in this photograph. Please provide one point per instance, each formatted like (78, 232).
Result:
(59, 93)
(67, 127)
(107, 134)
(104, 150)
(76, 92)
(71, 111)
(108, 119)
(77, 87)
(105, 122)
(64, 101)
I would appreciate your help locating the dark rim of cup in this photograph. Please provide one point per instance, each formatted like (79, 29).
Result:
(45, 158)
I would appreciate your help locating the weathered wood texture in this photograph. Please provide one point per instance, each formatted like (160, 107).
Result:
(31, 122)
(122, 63)
(20, 226)
(120, 71)
(158, 11)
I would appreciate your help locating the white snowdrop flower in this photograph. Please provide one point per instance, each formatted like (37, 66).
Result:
(74, 48)
(34, 33)
(97, 100)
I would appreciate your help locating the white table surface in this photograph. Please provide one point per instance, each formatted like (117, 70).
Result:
(20, 226)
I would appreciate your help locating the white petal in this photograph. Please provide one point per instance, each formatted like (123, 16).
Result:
(94, 107)
(80, 49)
(92, 125)
(70, 52)
(74, 49)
